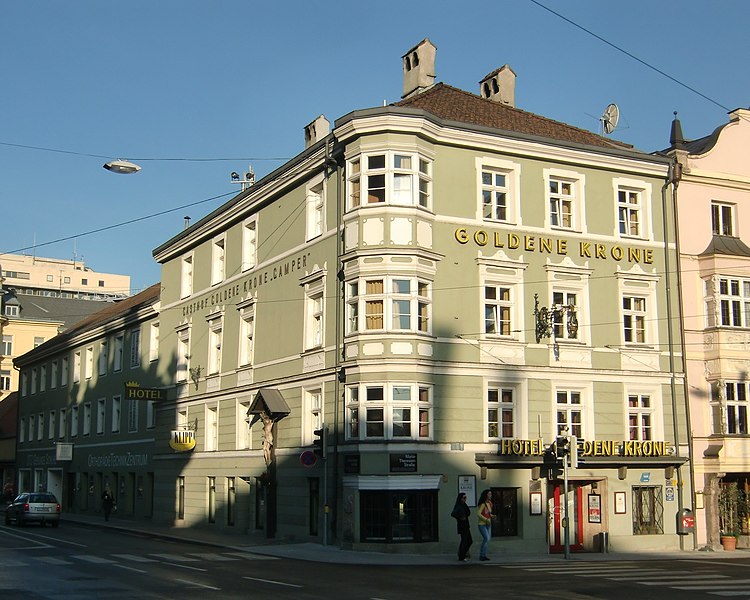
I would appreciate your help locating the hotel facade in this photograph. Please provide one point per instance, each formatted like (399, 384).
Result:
(433, 297)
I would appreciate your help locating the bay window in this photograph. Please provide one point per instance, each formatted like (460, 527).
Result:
(393, 411)
(398, 178)
(389, 303)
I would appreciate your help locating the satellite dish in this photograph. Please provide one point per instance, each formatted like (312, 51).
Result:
(610, 118)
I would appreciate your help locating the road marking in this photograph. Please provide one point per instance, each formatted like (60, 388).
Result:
(175, 557)
(716, 585)
(10, 563)
(690, 578)
(249, 556)
(186, 567)
(212, 556)
(294, 585)
(737, 593)
(135, 558)
(58, 540)
(51, 560)
(201, 585)
(127, 568)
(97, 560)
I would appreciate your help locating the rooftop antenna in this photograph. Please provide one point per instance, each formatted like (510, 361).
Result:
(610, 118)
(248, 179)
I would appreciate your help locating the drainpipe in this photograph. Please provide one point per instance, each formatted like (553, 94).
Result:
(676, 178)
(673, 387)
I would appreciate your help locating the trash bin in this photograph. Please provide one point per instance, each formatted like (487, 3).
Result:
(602, 542)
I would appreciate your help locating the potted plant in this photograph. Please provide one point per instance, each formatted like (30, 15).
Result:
(729, 516)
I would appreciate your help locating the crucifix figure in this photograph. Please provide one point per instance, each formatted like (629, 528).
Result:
(267, 436)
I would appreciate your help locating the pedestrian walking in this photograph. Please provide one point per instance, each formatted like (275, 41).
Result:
(484, 520)
(462, 512)
(108, 502)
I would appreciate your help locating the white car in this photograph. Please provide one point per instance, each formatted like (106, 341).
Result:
(33, 507)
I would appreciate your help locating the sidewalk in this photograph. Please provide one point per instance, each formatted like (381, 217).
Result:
(333, 554)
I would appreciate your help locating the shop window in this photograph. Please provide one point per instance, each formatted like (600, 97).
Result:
(392, 516)
(648, 510)
(505, 512)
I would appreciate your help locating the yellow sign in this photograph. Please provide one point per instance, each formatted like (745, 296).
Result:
(588, 448)
(182, 440)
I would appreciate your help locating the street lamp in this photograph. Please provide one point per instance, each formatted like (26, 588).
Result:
(123, 167)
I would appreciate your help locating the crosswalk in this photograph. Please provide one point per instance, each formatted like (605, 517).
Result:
(192, 558)
(704, 580)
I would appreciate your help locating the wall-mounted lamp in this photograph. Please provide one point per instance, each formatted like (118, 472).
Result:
(548, 319)
(622, 473)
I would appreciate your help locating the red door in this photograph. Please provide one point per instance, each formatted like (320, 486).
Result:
(556, 511)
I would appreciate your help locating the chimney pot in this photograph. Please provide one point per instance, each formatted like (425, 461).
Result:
(419, 68)
(500, 86)
(316, 130)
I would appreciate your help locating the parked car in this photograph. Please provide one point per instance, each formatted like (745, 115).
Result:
(33, 507)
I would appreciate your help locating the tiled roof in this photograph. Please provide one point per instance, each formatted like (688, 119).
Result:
(68, 311)
(453, 104)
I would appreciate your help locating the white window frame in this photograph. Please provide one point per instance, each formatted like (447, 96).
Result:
(5, 381)
(511, 171)
(64, 374)
(135, 347)
(87, 418)
(249, 243)
(723, 218)
(638, 284)
(150, 414)
(33, 380)
(314, 317)
(183, 355)
(215, 339)
(364, 175)
(502, 400)
(118, 351)
(74, 418)
(52, 425)
(153, 343)
(570, 408)
(727, 302)
(313, 415)
(40, 427)
(88, 366)
(102, 359)
(101, 415)
(116, 420)
(363, 406)
(211, 441)
(186, 275)
(7, 348)
(392, 299)
(244, 432)
(640, 191)
(218, 259)
(43, 378)
(577, 199)
(62, 425)
(133, 416)
(247, 334)
(315, 208)
(654, 410)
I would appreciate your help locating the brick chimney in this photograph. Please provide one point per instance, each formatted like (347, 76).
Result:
(419, 68)
(499, 86)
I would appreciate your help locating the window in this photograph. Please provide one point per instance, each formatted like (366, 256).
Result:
(64, 372)
(214, 346)
(101, 409)
(50, 278)
(504, 512)
(648, 510)
(153, 345)
(565, 315)
(118, 352)
(390, 177)
(53, 375)
(103, 358)
(116, 410)
(32, 425)
(315, 210)
(497, 201)
(33, 380)
(314, 315)
(501, 412)
(133, 415)
(640, 417)
(40, 427)
(87, 418)
(217, 261)
(66, 279)
(73, 421)
(4, 380)
(561, 203)
(629, 212)
(732, 302)
(634, 319)
(497, 309)
(212, 428)
(393, 516)
(722, 218)
(7, 349)
(51, 425)
(186, 276)
(43, 378)
(89, 364)
(244, 434)
(183, 355)
(84, 281)
(392, 411)
(62, 426)
(24, 383)
(569, 413)
(249, 245)
(38, 341)
(22, 430)
(135, 348)
(735, 399)
(314, 410)
(11, 310)
(389, 303)
(247, 331)
(150, 414)
(101, 283)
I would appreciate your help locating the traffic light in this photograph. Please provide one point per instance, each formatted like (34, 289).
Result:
(562, 446)
(321, 441)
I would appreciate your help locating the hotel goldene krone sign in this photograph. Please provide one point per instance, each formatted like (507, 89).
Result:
(588, 448)
(134, 391)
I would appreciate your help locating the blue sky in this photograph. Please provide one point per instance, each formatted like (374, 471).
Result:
(191, 79)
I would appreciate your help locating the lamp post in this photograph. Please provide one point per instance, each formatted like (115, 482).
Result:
(123, 167)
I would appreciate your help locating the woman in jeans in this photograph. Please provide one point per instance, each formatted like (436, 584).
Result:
(484, 518)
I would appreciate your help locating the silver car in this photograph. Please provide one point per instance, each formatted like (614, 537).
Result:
(33, 507)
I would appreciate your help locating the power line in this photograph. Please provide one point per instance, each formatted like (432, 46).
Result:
(619, 49)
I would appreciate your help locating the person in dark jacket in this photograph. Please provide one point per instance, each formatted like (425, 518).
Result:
(108, 502)
(462, 512)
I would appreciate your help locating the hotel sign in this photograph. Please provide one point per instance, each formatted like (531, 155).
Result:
(134, 391)
(588, 448)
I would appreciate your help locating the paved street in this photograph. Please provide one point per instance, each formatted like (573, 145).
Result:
(86, 561)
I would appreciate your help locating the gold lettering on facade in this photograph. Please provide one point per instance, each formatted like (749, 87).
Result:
(480, 237)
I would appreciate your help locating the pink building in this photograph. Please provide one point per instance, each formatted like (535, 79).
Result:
(713, 200)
